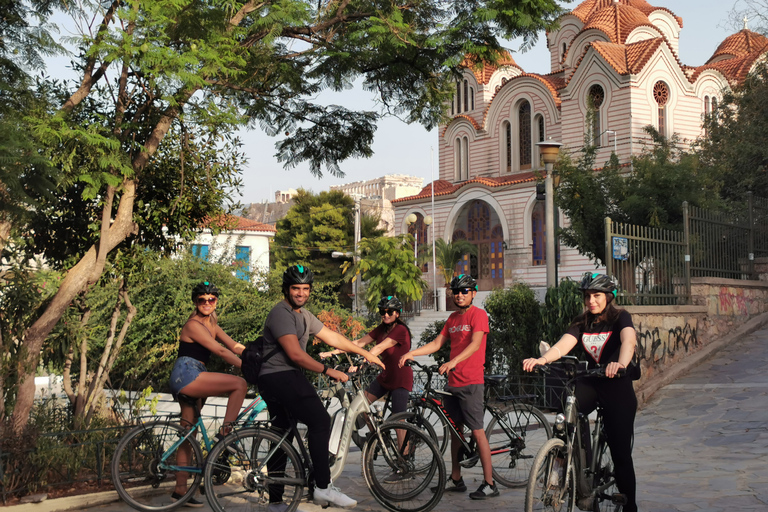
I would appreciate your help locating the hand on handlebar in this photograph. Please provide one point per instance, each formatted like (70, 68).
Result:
(447, 367)
(613, 369)
(530, 364)
(337, 375)
(403, 360)
(372, 359)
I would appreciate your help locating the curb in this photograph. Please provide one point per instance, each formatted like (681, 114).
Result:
(644, 393)
(79, 502)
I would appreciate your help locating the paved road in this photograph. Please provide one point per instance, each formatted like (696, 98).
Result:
(701, 444)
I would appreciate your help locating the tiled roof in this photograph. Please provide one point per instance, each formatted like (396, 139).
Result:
(485, 70)
(444, 188)
(740, 44)
(617, 21)
(234, 223)
(735, 69)
(630, 58)
(585, 9)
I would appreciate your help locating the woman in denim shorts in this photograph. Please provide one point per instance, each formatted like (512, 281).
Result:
(200, 337)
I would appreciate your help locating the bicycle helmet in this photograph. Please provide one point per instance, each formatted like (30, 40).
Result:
(204, 288)
(599, 283)
(464, 281)
(297, 274)
(391, 302)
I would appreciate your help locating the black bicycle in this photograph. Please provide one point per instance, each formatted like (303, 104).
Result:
(515, 432)
(565, 473)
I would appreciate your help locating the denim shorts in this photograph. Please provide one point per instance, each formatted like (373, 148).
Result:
(184, 372)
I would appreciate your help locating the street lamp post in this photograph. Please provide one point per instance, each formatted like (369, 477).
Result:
(549, 150)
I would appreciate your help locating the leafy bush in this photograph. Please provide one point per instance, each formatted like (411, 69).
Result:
(561, 305)
(429, 334)
(514, 316)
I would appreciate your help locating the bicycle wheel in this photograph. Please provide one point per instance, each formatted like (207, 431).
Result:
(145, 466)
(439, 424)
(259, 466)
(417, 420)
(551, 487)
(514, 441)
(402, 480)
(604, 482)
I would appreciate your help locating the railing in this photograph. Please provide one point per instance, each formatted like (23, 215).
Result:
(655, 266)
(414, 308)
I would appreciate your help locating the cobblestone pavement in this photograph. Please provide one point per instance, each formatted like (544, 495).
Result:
(701, 444)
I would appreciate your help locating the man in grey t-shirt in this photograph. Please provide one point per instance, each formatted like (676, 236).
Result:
(287, 391)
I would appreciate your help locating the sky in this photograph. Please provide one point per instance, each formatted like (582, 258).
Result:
(400, 148)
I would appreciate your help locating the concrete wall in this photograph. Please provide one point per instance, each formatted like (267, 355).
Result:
(670, 338)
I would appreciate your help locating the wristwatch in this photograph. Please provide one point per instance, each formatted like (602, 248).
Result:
(325, 370)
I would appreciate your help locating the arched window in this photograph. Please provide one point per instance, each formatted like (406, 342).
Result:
(458, 97)
(595, 100)
(661, 95)
(457, 159)
(453, 106)
(538, 126)
(707, 112)
(562, 55)
(507, 131)
(466, 95)
(479, 222)
(465, 158)
(524, 124)
(539, 235)
(472, 98)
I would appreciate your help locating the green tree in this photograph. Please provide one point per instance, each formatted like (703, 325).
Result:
(736, 145)
(386, 265)
(514, 317)
(448, 255)
(224, 64)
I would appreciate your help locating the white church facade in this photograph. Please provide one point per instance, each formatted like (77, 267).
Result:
(617, 59)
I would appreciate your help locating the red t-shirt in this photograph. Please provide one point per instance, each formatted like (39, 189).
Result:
(394, 377)
(458, 330)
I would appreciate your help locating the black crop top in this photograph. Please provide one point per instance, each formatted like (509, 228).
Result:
(195, 351)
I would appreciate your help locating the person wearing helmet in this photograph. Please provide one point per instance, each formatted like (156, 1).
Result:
(200, 337)
(393, 340)
(287, 391)
(466, 330)
(607, 335)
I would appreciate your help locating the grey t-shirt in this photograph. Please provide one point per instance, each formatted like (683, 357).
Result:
(283, 320)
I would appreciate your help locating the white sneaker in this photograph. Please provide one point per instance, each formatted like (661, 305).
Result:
(277, 507)
(332, 496)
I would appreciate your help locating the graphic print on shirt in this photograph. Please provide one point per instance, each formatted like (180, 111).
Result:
(594, 343)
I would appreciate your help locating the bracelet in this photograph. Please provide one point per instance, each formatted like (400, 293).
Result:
(559, 354)
(325, 370)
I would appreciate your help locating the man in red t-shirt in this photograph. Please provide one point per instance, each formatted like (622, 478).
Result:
(466, 330)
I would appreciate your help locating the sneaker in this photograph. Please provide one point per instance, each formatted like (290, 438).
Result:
(277, 507)
(396, 477)
(332, 496)
(191, 502)
(484, 492)
(453, 485)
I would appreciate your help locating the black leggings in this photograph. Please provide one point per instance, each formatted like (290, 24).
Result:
(619, 403)
(290, 393)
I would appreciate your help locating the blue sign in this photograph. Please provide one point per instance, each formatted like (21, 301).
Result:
(620, 248)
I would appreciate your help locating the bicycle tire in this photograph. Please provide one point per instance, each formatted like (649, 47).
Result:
(512, 455)
(604, 476)
(546, 492)
(438, 422)
(139, 479)
(245, 453)
(396, 481)
(419, 421)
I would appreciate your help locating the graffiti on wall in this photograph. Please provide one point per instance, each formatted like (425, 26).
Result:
(654, 345)
(733, 304)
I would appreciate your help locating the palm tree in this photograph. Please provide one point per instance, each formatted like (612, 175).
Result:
(448, 254)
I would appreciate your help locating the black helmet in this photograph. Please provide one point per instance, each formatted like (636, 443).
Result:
(204, 288)
(297, 274)
(599, 283)
(464, 281)
(391, 302)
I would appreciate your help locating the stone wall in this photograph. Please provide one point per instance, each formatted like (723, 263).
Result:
(668, 335)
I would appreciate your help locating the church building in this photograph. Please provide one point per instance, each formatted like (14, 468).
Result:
(614, 70)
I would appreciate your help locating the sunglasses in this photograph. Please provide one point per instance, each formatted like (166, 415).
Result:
(461, 291)
(389, 312)
(201, 301)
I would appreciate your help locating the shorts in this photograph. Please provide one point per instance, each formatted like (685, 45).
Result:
(398, 397)
(185, 371)
(465, 405)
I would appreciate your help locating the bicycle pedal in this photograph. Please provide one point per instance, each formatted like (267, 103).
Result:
(619, 498)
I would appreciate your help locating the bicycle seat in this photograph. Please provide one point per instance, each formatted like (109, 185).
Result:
(495, 380)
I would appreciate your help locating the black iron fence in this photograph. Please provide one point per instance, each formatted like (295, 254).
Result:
(414, 308)
(655, 266)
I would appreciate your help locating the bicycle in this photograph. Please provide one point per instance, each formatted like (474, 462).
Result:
(266, 460)
(515, 432)
(564, 474)
(144, 465)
